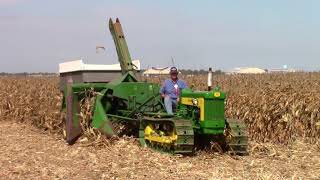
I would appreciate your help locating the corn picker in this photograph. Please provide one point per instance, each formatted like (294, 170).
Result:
(199, 119)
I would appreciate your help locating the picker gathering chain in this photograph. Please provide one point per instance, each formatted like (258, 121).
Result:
(199, 118)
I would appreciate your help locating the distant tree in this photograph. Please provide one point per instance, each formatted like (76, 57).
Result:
(217, 72)
(199, 72)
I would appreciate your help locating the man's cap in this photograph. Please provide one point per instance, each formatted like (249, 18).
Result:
(173, 70)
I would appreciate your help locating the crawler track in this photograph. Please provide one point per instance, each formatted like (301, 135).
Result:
(178, 137)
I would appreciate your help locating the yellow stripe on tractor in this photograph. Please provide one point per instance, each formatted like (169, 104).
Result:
(190, 102)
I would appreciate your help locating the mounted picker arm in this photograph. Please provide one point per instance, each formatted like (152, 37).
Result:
(121, 46)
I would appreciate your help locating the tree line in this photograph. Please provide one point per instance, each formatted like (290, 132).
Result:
(200, 72)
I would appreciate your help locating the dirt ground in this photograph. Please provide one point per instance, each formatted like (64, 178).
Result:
(28, 153)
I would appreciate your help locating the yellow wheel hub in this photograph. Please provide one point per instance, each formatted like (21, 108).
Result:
(159, 136)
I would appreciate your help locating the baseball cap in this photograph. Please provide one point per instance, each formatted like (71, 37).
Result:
(173, 70)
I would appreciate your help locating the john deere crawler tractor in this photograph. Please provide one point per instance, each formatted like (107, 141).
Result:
(199, 119)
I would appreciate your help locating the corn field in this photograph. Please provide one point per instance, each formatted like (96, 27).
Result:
(277, 108)
(280, 110)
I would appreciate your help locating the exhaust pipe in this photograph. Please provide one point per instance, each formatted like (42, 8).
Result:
(210, 79)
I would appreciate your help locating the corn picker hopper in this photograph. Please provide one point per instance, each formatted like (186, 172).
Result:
(199, 119)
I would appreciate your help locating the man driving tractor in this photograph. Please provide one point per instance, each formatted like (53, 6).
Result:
(170, 90)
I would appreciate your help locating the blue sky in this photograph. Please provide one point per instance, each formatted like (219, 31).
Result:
(36, 35)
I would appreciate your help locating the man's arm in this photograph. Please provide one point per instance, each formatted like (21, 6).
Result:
(183, 85)
(163, 90)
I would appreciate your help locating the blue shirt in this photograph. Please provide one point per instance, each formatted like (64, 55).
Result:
(169, 88)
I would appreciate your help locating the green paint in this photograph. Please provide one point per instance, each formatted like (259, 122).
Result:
(214, 119)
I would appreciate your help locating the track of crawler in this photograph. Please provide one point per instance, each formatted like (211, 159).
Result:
(178, 139)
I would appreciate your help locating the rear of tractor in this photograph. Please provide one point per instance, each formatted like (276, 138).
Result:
(198, 121)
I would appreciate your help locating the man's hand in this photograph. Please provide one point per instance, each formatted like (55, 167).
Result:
(178, 100)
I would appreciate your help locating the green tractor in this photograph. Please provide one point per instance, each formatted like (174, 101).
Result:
(198, 121)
